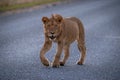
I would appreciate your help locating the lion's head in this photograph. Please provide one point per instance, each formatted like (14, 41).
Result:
(52, 26)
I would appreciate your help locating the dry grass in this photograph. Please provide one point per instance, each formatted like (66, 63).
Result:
(24, 5)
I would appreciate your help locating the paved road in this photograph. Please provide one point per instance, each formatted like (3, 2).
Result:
(21, 38)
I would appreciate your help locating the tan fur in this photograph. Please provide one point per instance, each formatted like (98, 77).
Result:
(63, 31)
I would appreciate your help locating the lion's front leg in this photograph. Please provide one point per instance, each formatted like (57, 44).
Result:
(56, 62)
(45, 48)
(66, 54)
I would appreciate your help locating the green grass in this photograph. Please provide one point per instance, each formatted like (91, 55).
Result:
(18, 6)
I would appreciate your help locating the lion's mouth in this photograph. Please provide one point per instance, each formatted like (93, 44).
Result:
(52, 37)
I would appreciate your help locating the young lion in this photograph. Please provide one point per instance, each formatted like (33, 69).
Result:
(63, 31)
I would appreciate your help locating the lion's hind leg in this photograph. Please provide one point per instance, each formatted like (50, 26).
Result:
(82, 49)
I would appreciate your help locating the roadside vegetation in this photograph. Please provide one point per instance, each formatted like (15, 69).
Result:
(5, 6)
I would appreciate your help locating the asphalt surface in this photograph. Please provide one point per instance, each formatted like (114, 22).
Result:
(21, 38)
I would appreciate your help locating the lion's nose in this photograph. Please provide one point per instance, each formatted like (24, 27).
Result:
(52, 32)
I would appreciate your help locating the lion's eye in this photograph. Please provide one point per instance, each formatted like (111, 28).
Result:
(48, 25)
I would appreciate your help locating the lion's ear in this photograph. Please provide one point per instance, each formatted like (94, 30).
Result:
(58, 18)
(45, 20)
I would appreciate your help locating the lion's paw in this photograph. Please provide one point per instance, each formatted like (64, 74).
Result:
(45, 62)
(80, 63)
(55, 65)
(61, 63)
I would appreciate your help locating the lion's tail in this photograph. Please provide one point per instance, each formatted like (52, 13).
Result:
(81, 31)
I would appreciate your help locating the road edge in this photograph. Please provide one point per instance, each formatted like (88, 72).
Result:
(29, 9)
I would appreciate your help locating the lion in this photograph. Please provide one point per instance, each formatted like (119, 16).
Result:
(62, 31)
